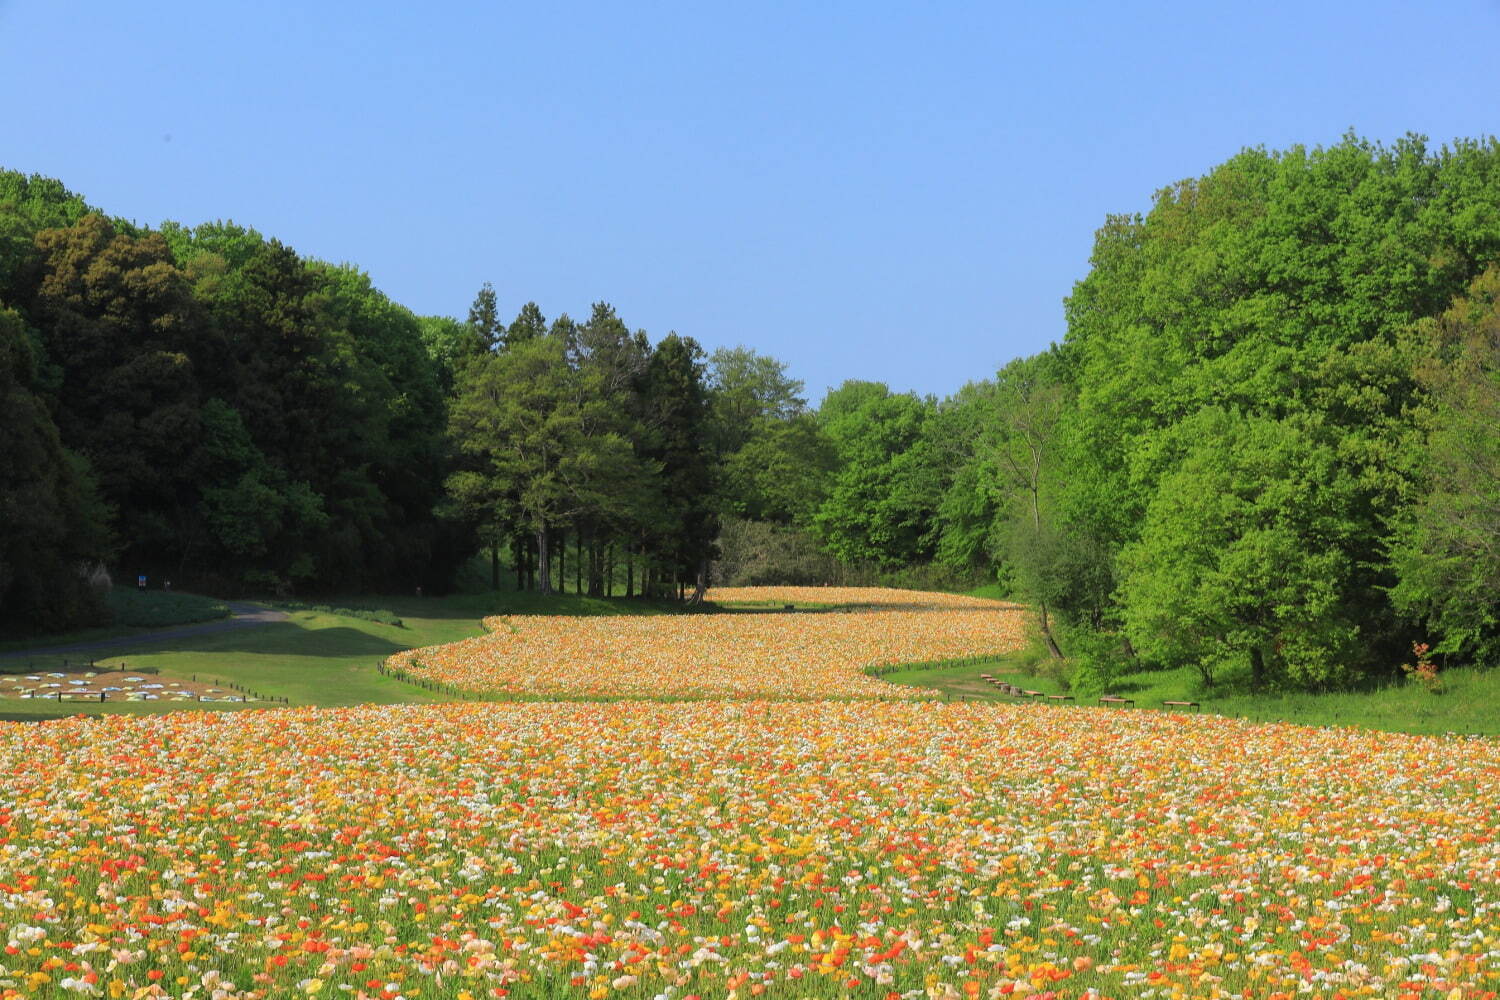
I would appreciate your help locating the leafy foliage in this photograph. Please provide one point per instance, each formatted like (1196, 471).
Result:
(55, 526)
(1446, 546)
(883, 496)
(1265, 452)
(161, 608)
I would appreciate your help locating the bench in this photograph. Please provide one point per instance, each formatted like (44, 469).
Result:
(1181, 704)
(1114, 699)
(1059, 697)
(1035, 694)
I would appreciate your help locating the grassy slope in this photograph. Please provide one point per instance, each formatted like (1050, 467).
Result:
(315, 658)
(1470, 704)
(322, 659)
(133, 612)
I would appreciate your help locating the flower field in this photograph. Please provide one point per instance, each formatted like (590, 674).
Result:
(873, 597)
(775, 655)
(738, 849)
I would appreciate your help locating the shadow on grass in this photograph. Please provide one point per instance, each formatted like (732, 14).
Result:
(473, 606)
(287, 638)
(754, 608)
(737, 608)
(293, 639)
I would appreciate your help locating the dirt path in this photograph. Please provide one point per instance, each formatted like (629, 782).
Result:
(240, 616)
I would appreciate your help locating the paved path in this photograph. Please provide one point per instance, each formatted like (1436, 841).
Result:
(240, 616)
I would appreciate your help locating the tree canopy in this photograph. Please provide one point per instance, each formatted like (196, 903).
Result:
(1265, 450)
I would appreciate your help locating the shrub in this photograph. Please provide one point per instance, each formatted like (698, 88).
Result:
(379, 615)
(160, 608)
(1424, 671)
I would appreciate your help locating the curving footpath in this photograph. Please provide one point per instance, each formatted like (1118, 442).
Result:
(241, 615)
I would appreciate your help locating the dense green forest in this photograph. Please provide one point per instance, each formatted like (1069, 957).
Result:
(1266, 448)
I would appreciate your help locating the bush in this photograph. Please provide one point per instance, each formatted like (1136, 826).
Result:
(379, 615)
(760, 554)
(1096, 660)
(763, 554)
(160, 608)
(934, 576)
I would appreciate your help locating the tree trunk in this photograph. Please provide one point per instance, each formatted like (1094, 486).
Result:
(494, 565)
(629, 570)
(700, 586)
(1047, 631)
(1257, 669)
(544, 564)
(1036, 526)
(578, 562)
(562, 556)
(609, 570)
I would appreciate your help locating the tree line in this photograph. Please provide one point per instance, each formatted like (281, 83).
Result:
(204, 405)
(1269, 446)
(1266, 446)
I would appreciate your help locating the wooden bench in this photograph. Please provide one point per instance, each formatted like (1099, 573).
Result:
(1059, 697)
(1182, 704)
(1035, 694)
(1114, 699)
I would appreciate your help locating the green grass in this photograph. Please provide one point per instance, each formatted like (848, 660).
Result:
(962, 681)
(310, 659)
(380, 615)
(161, 608)
(316, 658)
(993, 591)
(1469, 705)
(321, 658)
(131, 613)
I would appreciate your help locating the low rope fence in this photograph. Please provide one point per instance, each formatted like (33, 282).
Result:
(243, 694)
(436, 687)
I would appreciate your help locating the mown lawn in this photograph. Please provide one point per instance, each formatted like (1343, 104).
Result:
(313, 658)
(317, 658)
(133, 612)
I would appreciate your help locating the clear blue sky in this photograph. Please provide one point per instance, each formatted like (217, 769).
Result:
(900, 192)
